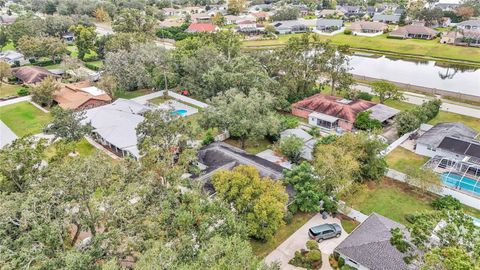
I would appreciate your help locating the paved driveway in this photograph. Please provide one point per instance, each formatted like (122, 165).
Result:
(297, 240)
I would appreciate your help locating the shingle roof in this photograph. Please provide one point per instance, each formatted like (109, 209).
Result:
(31, 75)
(365, 25)
(369, 244)
(470, 23)
(72, 96)
(331, 105)
(414, 29)
(386, 17)
(201, 27)
(329, 23)
(434, 136)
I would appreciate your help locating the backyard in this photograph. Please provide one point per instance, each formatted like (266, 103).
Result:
(251, 146)
(262, 249)
(429, 48)
(23, 118)
(133, 94)
(401, 159)
(7, 90)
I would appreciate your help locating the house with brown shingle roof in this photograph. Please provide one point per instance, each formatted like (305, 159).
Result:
(333, 112)
(80, 96)
(366, 27)
(32, 74)
(414, 31)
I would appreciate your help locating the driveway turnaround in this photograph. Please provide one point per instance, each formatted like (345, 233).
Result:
(286, 251)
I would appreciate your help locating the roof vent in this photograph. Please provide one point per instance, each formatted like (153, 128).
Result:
(344, 101)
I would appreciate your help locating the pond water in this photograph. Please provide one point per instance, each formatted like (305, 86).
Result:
(459, 79)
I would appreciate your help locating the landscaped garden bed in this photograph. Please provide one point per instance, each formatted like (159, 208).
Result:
(310, 258)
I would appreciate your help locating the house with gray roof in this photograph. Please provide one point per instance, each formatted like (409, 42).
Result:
(13, 58)
(449, 140)
(288, 27)
(469, 25)
(329, 25)
(386, 18)
(418, 31)
(369, 247)
(308, 141)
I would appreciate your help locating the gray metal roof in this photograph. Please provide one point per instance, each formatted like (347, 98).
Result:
(300, 133)
(369, 244)
(383, 112)
(329, 23)
(434, 136)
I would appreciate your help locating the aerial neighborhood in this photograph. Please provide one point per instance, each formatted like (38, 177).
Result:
(235, 134)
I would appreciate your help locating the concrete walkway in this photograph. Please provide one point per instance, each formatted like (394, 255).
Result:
(6, 135)
(15, 100)
(418, 99)
(286, 250)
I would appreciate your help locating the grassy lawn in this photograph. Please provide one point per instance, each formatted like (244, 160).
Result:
(133, 94)
(349, 225)
(399, 105)
(74, 52)
(160, 100)
(83, 148)
(24, 118)
(9, 89)
(444, 117)
(401, 159)
(8, 46)
(262, 249)
(389, 198)
(430, 48)
(252, 147)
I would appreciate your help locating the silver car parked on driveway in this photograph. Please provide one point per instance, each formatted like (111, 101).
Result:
(325, 231)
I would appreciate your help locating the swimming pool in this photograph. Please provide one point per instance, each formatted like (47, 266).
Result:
(460, 182)
(179, 112)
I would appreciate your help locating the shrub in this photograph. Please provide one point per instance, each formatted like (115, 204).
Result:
(328, 139)
(22, 92)
(341, 262)
(329, 205)
(347, 32)
(314, 131)
(91, 66)
(208, 138)
(447, 202)
(312, 245)
(314, 255)
(288, 217)
(364, 122)
(291, 147)
(398, 240)
(365, 96)
(410, 120)
(288, 121)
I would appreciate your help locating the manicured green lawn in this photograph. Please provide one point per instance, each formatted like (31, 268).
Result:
(23, 118)
(252, 147)
(399, 105)
(9, 89)
(133, 94)
(389, 198)
(74, 52)
(444, 117)
(430, 48)
(401, 159)
(349, 225)
(83, 148)
(160, 100)
(262, 249)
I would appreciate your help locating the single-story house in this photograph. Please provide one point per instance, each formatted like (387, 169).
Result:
(447, 6)
(114, 125)
(250, 27)
(333, 112)
(351, 10)
(80, 96)
(13, 57)
(329, 25)
(470, 25)
(202, 28)
(172, 11)
(32, 74)
(193, 10)
(386, 18)
(202, 18)
(261, 16)
(308, 141)
(399, 11)
(449, 140)
(359, 27)
(326, 13)
(231, 19)
(372, 10)
(292, 26)
(414, 31)
(369, 247)
(221, 156)
(464, 37)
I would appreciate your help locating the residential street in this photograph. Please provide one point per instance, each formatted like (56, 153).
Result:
(297, 240)
(15, 100)
(418, 99)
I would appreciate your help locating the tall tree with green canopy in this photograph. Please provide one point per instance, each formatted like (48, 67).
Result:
(26, 25)
(259, 202)
(85, 37)
(386, 91)
(131, 20)
(42, 93)
(243, 116)
(306, 184)
(66, 124)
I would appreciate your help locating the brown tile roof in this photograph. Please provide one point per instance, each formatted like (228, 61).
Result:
(201, 27)
(71, 96)
(31, 75)
(332, 106)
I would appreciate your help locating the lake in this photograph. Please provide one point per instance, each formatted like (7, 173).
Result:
(453, 78)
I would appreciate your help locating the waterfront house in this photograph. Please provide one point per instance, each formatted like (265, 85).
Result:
(369, 246)
(366, 27)
(418, 31)
(80, 96)
(202, 28)
(386, 18)
(250, 27)
(292, 26)
(331, 112)
(463, 37)
(328, 25)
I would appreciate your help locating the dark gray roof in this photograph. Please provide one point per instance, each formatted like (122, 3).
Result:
(329, 23)
(462, 147)
(434, 136)
(369, 244)
(224, 156)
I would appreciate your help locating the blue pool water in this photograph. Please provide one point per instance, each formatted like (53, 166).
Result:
(462, 183)
(179, 112)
